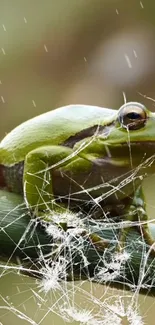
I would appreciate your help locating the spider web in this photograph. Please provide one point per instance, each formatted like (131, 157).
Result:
(75, 277)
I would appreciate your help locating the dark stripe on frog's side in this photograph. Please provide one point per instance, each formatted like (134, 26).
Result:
(100, 130)
(12, 177)
(2, 178)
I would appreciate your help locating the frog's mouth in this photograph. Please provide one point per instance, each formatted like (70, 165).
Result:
(138, 143)
(140, 146)
(130, 154)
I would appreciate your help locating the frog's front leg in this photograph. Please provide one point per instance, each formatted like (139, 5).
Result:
(136, 212)
(37, 179)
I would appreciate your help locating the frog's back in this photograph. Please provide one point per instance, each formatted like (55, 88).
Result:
(51, 128)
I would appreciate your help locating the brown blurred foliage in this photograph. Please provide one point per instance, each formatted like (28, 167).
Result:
(55, 53)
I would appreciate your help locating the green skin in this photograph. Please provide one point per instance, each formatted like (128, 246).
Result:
(79, 157)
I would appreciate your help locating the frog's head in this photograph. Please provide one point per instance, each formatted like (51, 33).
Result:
(131, 136)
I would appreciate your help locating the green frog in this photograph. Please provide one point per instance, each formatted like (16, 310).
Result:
(82, 158)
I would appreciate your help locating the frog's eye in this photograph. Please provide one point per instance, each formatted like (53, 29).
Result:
(132, 116)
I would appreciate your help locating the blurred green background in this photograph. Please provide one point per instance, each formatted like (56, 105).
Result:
(54, 53)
